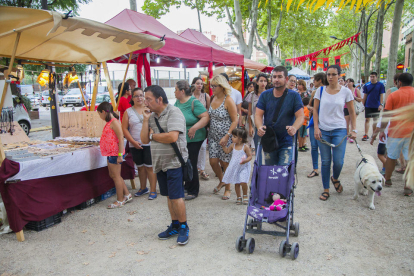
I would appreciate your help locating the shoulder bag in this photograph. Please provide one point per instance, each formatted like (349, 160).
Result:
(187, 168)
(311, 123)
(192, 110)
(359, 107)
(269, 140)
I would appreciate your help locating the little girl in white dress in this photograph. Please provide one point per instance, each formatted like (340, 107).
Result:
(238, 171)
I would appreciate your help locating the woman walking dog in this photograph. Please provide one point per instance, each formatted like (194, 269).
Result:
(330, 125)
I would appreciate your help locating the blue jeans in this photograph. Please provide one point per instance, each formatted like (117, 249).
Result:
(280, 157)
(314, 148)
(333, 137)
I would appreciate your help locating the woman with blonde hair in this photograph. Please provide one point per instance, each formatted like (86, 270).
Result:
(223, 119)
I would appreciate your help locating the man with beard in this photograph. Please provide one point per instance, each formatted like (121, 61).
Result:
(289, 119)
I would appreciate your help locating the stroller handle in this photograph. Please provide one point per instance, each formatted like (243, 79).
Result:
(260, 148)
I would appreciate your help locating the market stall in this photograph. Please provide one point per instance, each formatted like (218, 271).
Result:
(180, 51)
(299, 74)
(37, 179)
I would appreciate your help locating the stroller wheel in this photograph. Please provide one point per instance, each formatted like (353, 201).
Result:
(294, 251)
(249, 223)
(250, 245)
(282, 249)
(296, 228)
(239, 244)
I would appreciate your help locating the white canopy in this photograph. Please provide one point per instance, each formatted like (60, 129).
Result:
(300, 74)
(48, 36)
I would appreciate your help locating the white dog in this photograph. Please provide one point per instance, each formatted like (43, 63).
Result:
(368, 179)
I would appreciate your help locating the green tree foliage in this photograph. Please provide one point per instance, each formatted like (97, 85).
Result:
(54, 5)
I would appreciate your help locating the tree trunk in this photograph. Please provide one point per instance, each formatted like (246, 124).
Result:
(412, 54)
(246, 49)
(380, 28)
(44, 5)
(395, 32)
(198, 13)
(133, 5)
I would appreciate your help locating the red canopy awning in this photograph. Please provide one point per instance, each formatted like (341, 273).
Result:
(250, 64)
(177, 49)
(220, 55)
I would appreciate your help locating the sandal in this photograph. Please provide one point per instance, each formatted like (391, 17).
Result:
(117, 204)
(218, 188)
(313, 174)
(388, 183)
(245, 200)
(324, 196)
(226, 197)
(400, 170)
(239, 201)
(408, 191)
(204, 175)
(338, 187)
(127, 198)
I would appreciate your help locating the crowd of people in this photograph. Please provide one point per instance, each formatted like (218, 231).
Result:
(167, 142)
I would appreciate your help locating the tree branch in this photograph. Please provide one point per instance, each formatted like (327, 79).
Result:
(231, 23)
(279, 24)
(263, 47)
(254, 19)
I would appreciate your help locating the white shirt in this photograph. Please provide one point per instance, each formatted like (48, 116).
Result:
(236, 96)
(331, 112)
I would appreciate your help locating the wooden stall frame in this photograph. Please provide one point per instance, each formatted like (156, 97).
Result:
(95, 88)
(109, 84)
(123, 81)
(83, 96)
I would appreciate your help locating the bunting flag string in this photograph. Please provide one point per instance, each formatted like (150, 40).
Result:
(326, 51)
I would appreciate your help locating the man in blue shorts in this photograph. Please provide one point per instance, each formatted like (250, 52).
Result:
(165, 162)
(289, 119)
(373, 101)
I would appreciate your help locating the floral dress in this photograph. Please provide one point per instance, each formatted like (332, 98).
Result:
(220, 123)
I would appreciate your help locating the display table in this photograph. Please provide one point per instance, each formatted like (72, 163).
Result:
(34, 190)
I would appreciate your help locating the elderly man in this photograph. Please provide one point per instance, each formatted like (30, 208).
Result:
(165, 162)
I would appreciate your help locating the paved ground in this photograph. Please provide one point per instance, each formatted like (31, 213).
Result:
(338, 237)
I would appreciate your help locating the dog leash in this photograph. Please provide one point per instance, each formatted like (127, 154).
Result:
(333, 145)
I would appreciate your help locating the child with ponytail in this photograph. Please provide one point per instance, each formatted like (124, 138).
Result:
(112, 146)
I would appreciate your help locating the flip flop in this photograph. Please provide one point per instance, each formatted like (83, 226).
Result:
(324, 196)
(338, 187)
(313, 174)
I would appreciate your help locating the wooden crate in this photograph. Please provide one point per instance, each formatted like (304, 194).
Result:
(81, 123)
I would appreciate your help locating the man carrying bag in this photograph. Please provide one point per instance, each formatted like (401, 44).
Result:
(279, 114)
(164, 127)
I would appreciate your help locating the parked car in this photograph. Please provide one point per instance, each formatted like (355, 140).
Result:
(35, 101)
(26, 89)
(99, 99)
(21, 116)
(74, 97)
(45, 98)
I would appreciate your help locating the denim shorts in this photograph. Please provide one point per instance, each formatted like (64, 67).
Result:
(113, 159)
(171, 183)
(396, 145)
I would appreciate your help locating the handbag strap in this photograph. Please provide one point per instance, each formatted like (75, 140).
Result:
(174, 145)
(138, 115)
(320, 101)
(279, 106)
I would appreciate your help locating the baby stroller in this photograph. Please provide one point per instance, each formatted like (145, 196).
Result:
(266, 180)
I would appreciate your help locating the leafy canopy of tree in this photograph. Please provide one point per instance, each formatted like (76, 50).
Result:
(53, 5)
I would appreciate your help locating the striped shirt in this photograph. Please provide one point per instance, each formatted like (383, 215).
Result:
(163, 155)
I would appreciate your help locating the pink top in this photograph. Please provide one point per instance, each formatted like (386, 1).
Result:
(355, 95)
(109, 141)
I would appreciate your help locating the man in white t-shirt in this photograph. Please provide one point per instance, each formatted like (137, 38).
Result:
(237, 98)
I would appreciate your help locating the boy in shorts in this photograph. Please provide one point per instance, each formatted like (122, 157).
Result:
(382, 145)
